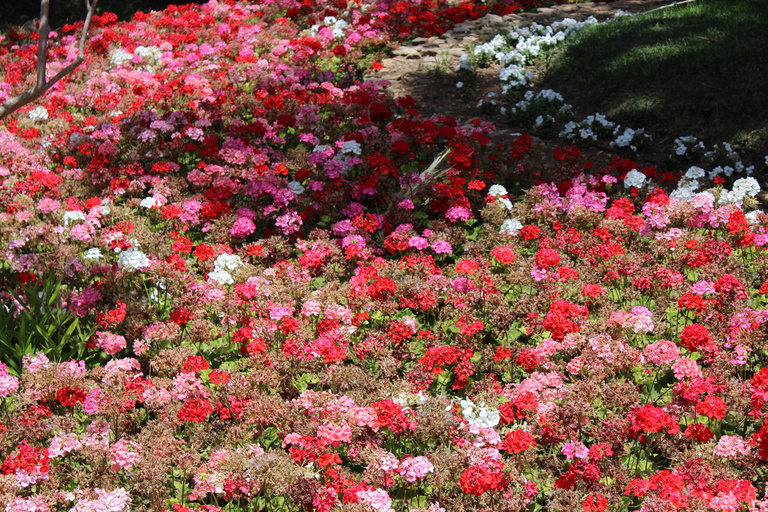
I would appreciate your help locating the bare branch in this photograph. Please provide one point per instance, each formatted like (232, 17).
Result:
(42, 86)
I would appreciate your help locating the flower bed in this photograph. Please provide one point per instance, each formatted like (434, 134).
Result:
(236, 278)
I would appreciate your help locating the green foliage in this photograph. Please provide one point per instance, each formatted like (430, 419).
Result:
(39, 323)
(693, 68)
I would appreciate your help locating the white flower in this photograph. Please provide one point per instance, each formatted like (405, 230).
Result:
(746, 187)
(72, 216)
(351, 146)
(511, 227)
(497, 191)
(634, 179)
(221, 276)
(119, 56)
(296, 187)
(480, 415)
(148, 202)
(694, 173)
(133, 259)
(38, 114)
(227, 262)
(459, 85)
(92, 254)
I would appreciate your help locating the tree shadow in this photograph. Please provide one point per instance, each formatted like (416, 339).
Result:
(685, 74)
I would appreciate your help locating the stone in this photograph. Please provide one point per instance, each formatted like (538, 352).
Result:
(419, 40)
(405, 51)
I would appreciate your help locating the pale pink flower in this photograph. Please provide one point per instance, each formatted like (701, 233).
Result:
(110, 343)
(415, 468)
(662, 352)
(124, 454)
(730, 446)
(686, 368)
(378, 500)
(62, 444)
(8, 383)
(335, 434)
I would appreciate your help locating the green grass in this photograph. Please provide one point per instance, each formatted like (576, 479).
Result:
(694, 69)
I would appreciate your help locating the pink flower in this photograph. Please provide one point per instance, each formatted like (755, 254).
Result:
(406, 205)
(442, 247)
(458, 213)
(378, 500)
(110, 343)
(575, 450)
(730, 446)
(662, 352)
(124, 454)
(8, 383)
(415, 468)
(335, 434)
(243, 227)
(47, 205)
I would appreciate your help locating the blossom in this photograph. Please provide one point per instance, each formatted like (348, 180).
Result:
(442, 247)
(634, 179)
(124, 454)
(243, 227)
(511, 227)
(415, 468)
(110, 343)
(133, 259)
(377, 500)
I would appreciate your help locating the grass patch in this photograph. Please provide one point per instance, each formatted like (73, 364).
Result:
(693, 69)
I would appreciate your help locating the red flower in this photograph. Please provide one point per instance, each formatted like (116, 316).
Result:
(195, 364)
(477, 480)
(504, 255)
(69, 396)
(712, 407)
(698, 432)
(180, 316)
(694, 337)
(518, 441)
(595, 504)
(195, 410)
(547, 258)
(529, 232)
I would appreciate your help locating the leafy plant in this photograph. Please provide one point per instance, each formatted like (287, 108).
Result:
(39, 322)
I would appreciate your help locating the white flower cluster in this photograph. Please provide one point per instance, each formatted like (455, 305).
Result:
(337, 26)
(222, 266)
(590, 129)
(296, 187)
(511, 227)
(630, 138)
(38, 113)
(684, 145)
(513, 50)
(72, 216)
(148, 202)
(92, 254)
(499, 192)
(351, 146)
(132, 259)
(742, 188)
(148, 56)
(634, 179)
(479, 415)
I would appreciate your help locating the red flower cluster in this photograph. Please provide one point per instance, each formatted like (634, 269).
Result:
(694, 337)
(69, 396)
(518, 441)
(560, 319)
(31, 459)
(195, 410)
(477, 480)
